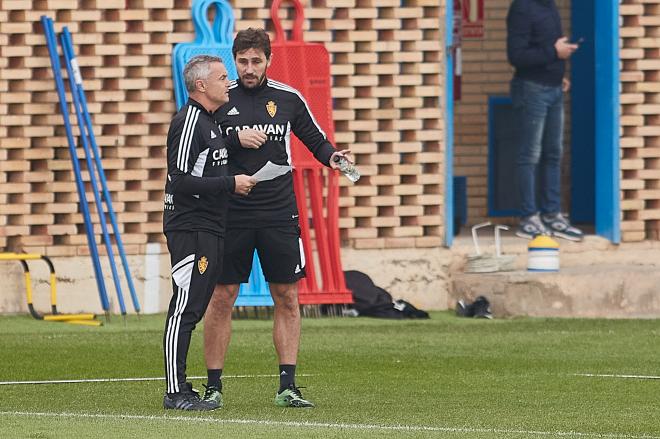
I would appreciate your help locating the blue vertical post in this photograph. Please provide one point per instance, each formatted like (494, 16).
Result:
(583, 102)
(74, 74)
(51, 42)
(608, 84)
(104, 186)
(449, 124)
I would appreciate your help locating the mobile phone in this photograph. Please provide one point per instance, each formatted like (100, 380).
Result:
(577, 41)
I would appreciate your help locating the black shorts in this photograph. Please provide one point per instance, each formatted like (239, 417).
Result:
(280, 252)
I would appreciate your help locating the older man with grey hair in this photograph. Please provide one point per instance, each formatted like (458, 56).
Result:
(197, 189)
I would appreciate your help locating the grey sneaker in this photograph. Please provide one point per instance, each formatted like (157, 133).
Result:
(213, 396)
(561, 227)
(291, 397)
(531, 226)
(186, 399)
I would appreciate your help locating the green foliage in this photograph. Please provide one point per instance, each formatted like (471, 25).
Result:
(444, 377)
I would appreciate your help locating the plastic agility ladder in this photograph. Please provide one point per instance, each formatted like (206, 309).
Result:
(78, 319)
(306, 67)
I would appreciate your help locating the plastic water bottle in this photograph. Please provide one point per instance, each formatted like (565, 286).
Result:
(347, 168)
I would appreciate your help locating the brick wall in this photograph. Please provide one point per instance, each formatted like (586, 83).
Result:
(387, 67)
(640, 117)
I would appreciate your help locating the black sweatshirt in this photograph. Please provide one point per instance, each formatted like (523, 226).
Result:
(198, 186)
(533, 27)
(278, 110)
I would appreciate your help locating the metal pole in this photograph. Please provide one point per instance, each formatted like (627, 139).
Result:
(51, 42)
(99, 167)
(73, 72)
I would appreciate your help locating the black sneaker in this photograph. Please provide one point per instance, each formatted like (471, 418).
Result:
(531, 226)
(561, 227)
(481, 307)
(464, 309)
(186, 399)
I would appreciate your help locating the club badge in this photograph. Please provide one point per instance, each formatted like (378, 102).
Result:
(271, 107)
(202, 264)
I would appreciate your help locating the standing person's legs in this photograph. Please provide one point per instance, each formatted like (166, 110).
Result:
(283, 261)
(217, 325)
(550, 163)
(195, 258)
(530, 111)
(217, 332)
(286, 323)
(550, 173)
(237, 264)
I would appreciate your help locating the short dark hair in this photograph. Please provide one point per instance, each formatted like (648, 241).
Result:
(251, 38)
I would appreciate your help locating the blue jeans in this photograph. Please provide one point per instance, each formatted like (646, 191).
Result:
(539, 116)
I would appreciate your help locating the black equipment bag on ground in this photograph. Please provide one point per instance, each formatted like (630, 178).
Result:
(373, 301)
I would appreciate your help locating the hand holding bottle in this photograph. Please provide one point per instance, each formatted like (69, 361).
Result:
(341, 161)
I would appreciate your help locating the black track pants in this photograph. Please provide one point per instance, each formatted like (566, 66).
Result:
(196, 261)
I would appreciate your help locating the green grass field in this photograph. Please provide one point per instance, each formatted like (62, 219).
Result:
(444, 377)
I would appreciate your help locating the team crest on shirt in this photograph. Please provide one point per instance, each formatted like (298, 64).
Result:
(202, 264)
(271, 107)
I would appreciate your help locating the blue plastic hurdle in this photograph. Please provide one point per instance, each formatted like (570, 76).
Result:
(208, 41)
(217, 41)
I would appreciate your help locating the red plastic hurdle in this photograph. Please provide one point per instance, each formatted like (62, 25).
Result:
(306, 67)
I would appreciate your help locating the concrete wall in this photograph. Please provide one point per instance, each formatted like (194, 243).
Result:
(417, 275)
(596, 279)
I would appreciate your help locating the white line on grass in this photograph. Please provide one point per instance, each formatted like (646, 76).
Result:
(603, 375)
(330, 425)
(116, 380)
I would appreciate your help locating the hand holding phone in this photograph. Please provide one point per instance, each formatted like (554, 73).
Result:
(564, 48)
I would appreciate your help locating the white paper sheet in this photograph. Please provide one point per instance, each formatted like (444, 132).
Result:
(270, 171)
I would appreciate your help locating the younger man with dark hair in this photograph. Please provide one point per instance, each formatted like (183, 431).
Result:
(266, 220)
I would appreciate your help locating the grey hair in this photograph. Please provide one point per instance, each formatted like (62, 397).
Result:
(198, 67)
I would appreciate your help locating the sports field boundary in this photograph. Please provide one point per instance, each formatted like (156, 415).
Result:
(119, 380)
(137, 379)
(328, 425)
(605, 375)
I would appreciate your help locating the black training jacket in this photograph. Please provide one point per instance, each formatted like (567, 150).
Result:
(278, 110)
(198, 182)
(533, 27)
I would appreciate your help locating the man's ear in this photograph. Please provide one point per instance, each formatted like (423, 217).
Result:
(269, 60)
(200, 86)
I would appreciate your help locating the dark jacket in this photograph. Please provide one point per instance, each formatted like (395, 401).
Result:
(198, 183)
(280, 111)
(533, 27)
